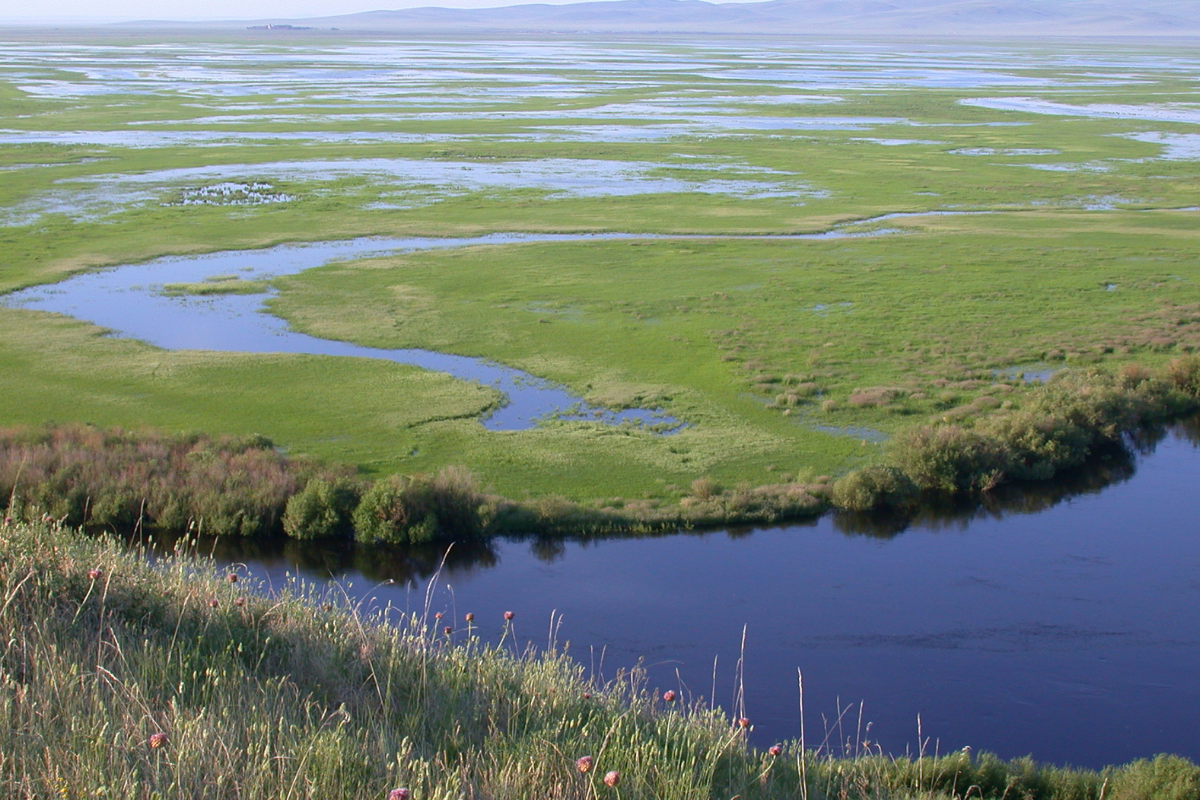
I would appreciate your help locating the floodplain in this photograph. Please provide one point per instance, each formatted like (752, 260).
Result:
(629, 273)
(1031, 209)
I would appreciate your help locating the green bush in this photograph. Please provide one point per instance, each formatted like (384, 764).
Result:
(421, 508)
(873, 487)
(1163, 778)
(1184, 375)
(321, 510)
(951, 458)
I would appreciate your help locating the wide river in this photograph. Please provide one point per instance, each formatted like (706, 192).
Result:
(1059, 622)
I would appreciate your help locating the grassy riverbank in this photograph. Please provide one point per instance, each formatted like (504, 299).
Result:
(123, 679)
(114, 479)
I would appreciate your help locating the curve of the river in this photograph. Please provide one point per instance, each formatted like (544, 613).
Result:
(1057, 620)
(129, 300)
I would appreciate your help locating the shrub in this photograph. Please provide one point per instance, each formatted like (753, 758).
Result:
(950, 458)
(85, 475)
(421, 508)
(1184, 375)
(1163, 778)
(875, 396)
(321, 510)
(874, 487)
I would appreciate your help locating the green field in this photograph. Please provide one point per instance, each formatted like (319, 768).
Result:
(787, 359)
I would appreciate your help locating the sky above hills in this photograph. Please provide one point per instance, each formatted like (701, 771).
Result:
(977, 18)
(127, 10)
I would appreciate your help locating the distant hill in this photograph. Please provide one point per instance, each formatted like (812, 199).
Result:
(977, 18)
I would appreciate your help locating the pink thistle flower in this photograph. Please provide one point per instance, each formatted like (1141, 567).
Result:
(239, 602)
(775, 750)
(157, 740)
(398, 794)
(587, 695)
(470, 617)
(743, 723)
(508, 615)
(232, 577)
(95, 573)
(612, 778)
(669, 695)
(213, 603)
(437, 615)
(584, 764)
(448, 630)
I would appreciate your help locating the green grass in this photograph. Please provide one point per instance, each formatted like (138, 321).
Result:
(218, 285)
(303, 695)
(757, 344)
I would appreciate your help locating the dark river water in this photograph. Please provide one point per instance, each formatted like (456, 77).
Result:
(1058, 621)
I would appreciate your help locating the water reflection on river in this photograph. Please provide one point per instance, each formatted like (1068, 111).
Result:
(1053, 620)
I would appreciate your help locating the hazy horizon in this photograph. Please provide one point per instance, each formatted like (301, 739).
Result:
(76, 12)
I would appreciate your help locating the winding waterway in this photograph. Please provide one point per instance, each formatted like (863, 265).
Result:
(130, 300)
(1058, 620)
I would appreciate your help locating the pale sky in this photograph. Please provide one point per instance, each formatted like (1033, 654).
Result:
(81, 11)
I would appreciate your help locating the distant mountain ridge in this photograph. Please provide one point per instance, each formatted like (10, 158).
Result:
(988, 18)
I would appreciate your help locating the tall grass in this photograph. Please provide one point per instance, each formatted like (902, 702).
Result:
(123, 678)
(1058, 427)
(83, 475)
(116, 479)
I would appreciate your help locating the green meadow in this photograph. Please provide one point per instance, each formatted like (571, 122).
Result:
(788, 359)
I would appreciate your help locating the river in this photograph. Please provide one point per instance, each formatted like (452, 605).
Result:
(1056, 620)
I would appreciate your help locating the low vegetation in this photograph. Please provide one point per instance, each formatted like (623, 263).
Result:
(125, 678)
(85, 476)
(1057, 427)
(121, 480)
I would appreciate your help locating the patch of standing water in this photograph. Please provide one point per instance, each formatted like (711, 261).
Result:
(1176, 146)
(1036, 105)
(436, 181)
(1030, 373)
(852, 431)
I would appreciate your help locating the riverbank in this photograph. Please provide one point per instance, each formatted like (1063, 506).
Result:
(84, 476)
(200, 682)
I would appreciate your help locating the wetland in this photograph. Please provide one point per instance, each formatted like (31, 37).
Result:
(618, 274)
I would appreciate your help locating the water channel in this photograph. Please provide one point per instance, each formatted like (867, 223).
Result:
(134, 300)
(1058, 621)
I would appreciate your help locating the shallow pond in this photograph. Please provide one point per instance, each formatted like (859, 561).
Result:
(1058, 621)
